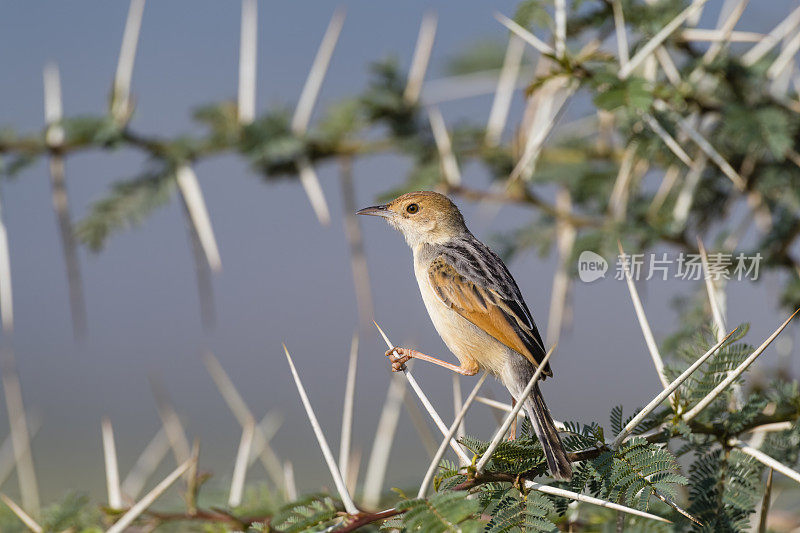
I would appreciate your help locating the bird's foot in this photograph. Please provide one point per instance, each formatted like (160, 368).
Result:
(398, 363)
(512, 434)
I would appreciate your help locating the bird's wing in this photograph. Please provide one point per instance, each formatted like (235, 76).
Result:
(503, 317)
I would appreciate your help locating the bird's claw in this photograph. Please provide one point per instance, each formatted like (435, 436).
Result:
(398, 363)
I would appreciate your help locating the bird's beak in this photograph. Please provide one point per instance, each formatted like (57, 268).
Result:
(375, 210)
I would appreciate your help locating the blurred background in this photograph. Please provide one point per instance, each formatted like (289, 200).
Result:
(285, 277)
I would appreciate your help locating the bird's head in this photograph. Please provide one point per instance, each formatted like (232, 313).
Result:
(423, 217)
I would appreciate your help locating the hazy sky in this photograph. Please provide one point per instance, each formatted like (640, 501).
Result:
(285, 278)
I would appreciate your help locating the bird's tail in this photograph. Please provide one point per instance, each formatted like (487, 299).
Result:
(516, 375)
(557, 461)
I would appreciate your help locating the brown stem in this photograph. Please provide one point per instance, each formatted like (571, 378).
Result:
(362, 519)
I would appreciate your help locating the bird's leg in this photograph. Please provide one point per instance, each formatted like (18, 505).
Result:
(406, 354)
(513, 434)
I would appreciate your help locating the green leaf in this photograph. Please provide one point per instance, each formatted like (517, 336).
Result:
(315, 512)
(446, 511)
(127, 205)
(533, 13)
(635, 94)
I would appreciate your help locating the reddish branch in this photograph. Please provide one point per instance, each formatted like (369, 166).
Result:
(354, 522)
(362, 519)
(202, 515)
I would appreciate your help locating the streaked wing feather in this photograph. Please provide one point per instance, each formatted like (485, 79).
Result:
(503, 318)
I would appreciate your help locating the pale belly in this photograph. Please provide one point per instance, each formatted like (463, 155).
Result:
(471, 345)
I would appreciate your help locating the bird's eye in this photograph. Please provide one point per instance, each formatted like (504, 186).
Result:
(412, 208)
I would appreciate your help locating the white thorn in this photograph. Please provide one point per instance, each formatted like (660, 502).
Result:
(112, 470)
(565, 241)
(142, 505)
(560, 17)
(53, 109)
(434, 464)
(506, 83)
(421, 57)
(695, 34)
(127, 56)
(462, 86)
(436, 418)
(589, 499)
(146, 464)
(173, 427)
(666, 186)
(426, 402)
(726, 28)
(659, 38)
(683, 203)
(313, 189)
(323, 443)
(263, 432)
(507, 408)
(501, 433)
(20, 435)
(671, 143)
(668, 66)
(773, 426)
(652, 347)
(248, 46)
(617, 202)
(347, 409)
(766, 459)
(420, 425)
(240, 467)
(498, 405)
(305, 106)
(555, 93)
(711, 290)
(196, 206)
(382, 445)
(29, 522)
(769, 41)
(228, 390)
(785, 57)
(291, 486)
(526, 36)
(7, 460)
(308, 97)
(708, 149)
(458, 403)
(449, 165)
(694, 18)
(353, 469)
(6, 299)
(622, 37)
(664, 394)
(702, 404)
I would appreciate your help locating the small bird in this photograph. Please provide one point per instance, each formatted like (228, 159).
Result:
(475, 306)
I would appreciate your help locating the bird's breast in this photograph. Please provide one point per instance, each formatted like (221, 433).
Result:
(469, 343)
